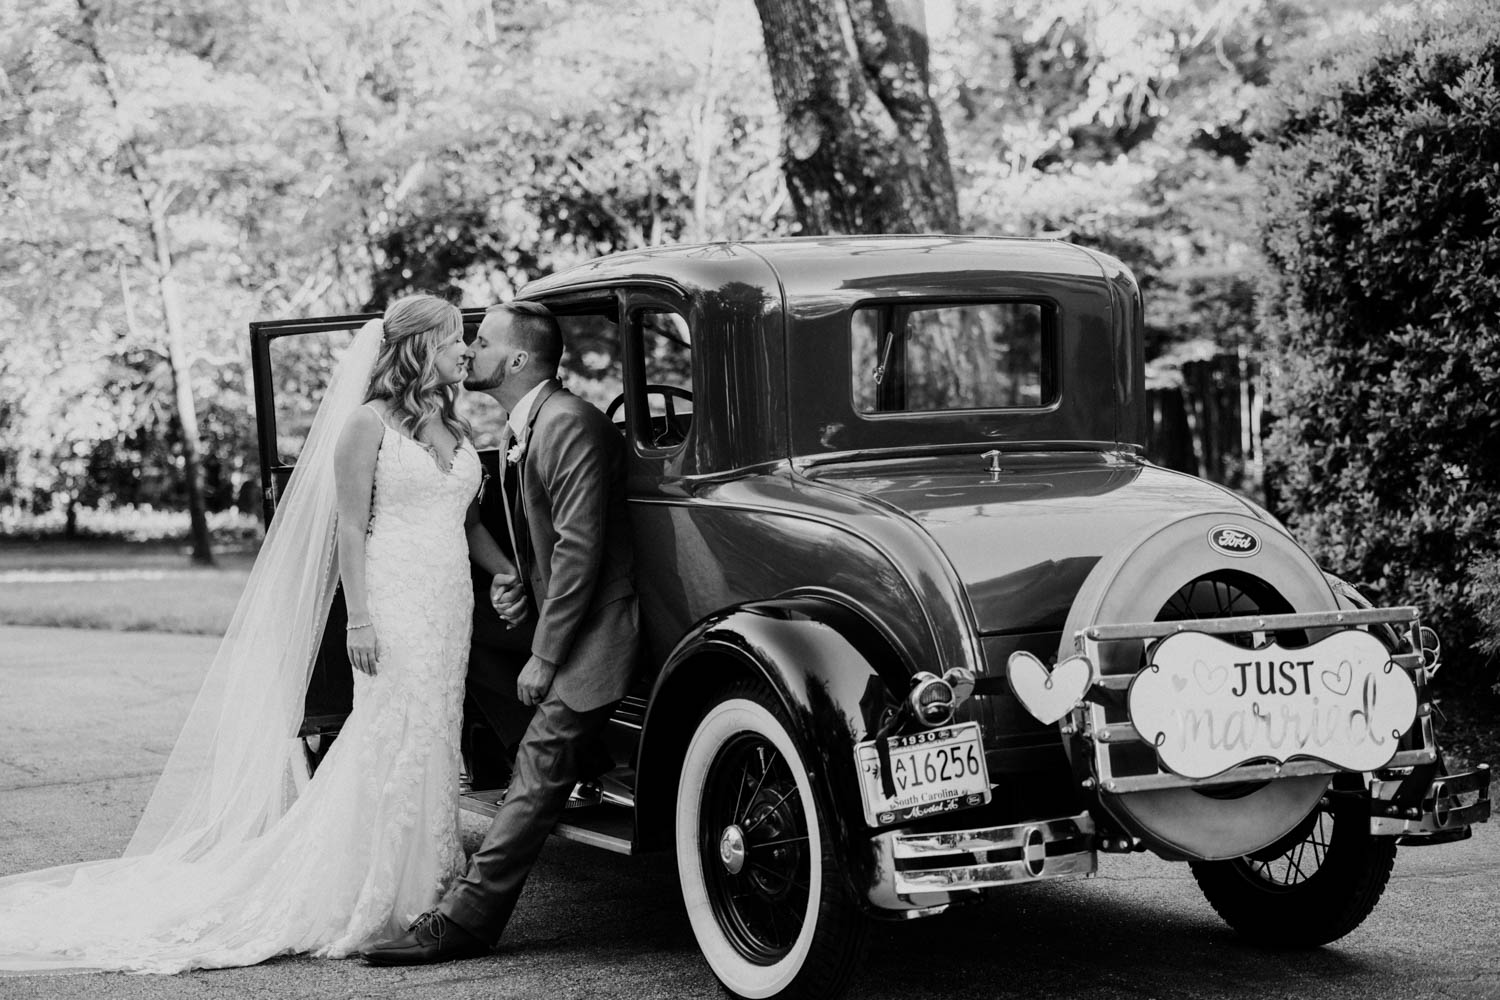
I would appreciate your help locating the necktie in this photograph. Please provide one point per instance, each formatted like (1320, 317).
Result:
(515, 511)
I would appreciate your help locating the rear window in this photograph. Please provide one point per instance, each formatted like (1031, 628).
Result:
(924, 357)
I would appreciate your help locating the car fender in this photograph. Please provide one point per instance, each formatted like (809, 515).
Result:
(834, 674)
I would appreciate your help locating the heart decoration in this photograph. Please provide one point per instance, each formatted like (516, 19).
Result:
(1210, 679)
(1338, 681)
(1048, 694)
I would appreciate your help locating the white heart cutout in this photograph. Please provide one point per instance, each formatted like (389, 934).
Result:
(1048, 694)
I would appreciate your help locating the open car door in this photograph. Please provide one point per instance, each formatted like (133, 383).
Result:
(292, 362)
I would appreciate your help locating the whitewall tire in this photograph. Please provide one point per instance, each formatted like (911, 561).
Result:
(764, 891)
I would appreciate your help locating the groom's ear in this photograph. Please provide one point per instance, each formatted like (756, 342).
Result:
(519, 360)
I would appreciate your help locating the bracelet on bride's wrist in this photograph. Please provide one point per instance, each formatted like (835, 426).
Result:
(351, 628)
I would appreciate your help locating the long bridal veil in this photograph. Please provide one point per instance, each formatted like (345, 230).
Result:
(237, 766)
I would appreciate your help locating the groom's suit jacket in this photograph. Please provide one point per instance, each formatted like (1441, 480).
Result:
(576, 552)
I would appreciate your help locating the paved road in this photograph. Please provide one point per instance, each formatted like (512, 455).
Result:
(87, 717)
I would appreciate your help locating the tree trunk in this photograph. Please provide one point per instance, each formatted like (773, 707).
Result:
(154, 202)
(706, 127)
(180, 366)
(862, 143)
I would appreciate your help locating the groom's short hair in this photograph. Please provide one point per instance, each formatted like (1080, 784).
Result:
(534, 330)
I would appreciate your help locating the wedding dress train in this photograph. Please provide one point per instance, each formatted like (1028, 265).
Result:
(368, 844)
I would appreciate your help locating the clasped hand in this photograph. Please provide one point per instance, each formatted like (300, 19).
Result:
(508, 598)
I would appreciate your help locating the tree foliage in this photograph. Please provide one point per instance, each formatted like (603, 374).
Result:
(1124, 126)
(1382, 307)
(323, 158)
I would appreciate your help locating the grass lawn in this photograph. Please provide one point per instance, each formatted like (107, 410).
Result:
(138, 587)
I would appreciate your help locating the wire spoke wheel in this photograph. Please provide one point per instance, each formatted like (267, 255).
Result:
(1314, 886)
(1223, 595)
(753, 846)
(1300, 861)
(765, 888)
(1323, 878)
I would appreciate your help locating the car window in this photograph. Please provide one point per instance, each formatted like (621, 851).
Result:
(968, 356)
(301, 367)
(591, 365)
(667, 349)
(666, 343)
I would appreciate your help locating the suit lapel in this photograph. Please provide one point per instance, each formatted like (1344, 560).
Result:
(549, 389)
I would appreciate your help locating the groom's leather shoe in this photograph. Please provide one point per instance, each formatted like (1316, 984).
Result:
(432, 937)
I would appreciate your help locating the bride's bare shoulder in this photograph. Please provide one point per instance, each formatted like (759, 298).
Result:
(362, 429)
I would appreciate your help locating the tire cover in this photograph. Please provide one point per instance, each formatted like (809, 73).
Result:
(1132, 584)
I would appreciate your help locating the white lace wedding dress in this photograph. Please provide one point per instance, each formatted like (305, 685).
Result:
(371, 841)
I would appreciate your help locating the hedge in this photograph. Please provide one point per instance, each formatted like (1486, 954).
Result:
(1380, 169)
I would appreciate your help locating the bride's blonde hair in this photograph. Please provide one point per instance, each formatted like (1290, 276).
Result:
(404, 374)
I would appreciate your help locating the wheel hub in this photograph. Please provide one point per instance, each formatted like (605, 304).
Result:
(732, 849)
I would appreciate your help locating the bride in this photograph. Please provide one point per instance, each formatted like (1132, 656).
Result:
(239, 856)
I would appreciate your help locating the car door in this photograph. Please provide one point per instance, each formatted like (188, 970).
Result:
(291, 362)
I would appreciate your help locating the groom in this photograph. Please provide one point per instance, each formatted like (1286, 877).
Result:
(564, 495)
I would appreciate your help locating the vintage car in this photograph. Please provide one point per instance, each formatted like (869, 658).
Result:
(920, 622)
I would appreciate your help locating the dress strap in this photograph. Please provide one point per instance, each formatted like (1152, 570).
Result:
(381, 417)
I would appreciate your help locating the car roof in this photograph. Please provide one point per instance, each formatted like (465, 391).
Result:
(814, 265)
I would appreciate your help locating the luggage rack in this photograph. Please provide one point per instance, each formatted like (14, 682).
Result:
(1089, 721)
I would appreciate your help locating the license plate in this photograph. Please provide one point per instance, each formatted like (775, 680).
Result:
(932, 772)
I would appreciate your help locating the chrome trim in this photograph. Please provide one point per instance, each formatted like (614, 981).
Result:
(1094, 734)
(487, 803)
(611, 797)
(915, 914)
(971, 858)
(1252, 623)
(1233, 776)
(1431, 816)
(1246, 773)
(593, 838)
(1117, 732)
(1003, 873)
(1121, 682)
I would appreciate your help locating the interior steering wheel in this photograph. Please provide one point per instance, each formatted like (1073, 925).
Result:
(675, 431)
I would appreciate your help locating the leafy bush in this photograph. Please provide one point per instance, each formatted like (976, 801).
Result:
(1382, 311)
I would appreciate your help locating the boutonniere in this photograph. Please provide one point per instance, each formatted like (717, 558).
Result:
(517, 450)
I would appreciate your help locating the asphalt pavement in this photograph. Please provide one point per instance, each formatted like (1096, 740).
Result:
(87, 718)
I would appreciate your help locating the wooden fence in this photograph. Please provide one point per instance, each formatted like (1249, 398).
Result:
(1209, 424)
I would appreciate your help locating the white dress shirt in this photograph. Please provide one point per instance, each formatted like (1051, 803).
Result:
(517, 418)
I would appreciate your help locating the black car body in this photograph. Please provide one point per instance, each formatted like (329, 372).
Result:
(888, 497)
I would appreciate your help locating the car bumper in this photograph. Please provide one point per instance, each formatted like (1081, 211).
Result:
(917, 872)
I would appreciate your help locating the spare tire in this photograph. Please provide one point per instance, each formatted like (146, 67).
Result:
(1176, 571)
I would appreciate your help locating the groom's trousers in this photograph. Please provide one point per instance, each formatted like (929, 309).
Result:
(496, 656)
(548, 762)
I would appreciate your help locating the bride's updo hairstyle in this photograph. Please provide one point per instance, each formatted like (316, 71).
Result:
(404, 374)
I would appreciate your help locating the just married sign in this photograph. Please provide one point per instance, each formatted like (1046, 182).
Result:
(1208, 705)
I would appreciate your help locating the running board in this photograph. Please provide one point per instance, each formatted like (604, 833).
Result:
(608, 825)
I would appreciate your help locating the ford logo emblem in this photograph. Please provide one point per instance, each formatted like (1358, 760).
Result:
(1232, 540)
